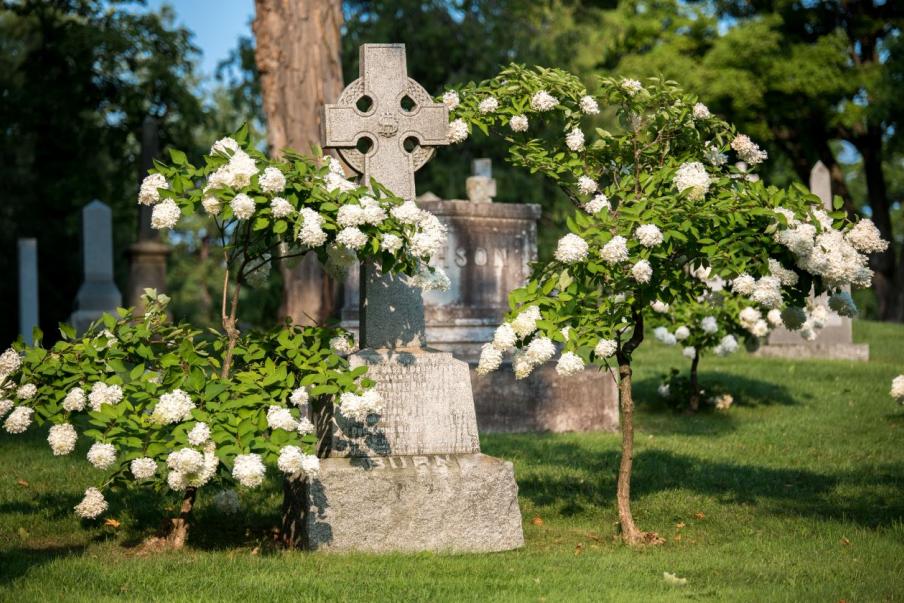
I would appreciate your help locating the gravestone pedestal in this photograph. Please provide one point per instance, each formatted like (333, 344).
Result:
(415, 480)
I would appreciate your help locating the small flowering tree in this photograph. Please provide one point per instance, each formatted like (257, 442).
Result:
(168, 406)
(654, 202)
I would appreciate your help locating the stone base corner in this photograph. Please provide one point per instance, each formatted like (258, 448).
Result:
(826, 351)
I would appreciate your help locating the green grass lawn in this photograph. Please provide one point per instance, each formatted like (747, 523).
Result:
(794, 494)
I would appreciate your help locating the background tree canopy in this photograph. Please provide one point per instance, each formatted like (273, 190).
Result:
(808, 80)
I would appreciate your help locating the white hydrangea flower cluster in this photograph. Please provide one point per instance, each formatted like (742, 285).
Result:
(709, 325)
(342, 345)
(537, 351)
(693, 177)
(311, 233)
(26, 391)
(5, 407)
(174, 407)
(188, 467)
(663, 335)
(751, 319)
(641, 271)
(19, 419)
(587, 185)
(571, 249)
(838, 258)
(615, 251)
(701, 111)
(451, 99)
(458, 131)
(682, 333)
(280, 208)
(488, 105)
(648, 235)
(748, 150)
(728, 345)
(281, 418)
(630, 86)
(272, 180)
(149, 192)
(605, 348)
(569, 364)
(843, 304)
(543, 101)
(101, 394)
(689, 352)
(9, 362)
(574, 140)
(588, 105)
(101, 455)
(713, 156)
(199, 434)
(897, 388)
(237, 173)
(242, 206)
(519, 123)
(62, 439)
(292, 461)
(92, 505)
(143, 468)
(359, 407)
(597, 204)
(75, 400)
(660, 307)
(335, 179)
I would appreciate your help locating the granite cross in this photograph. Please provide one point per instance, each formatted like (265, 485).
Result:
(386, 126)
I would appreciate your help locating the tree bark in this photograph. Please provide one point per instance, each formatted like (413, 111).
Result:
(695, 385)
(887, 279)
(298, 56)
(177, 534)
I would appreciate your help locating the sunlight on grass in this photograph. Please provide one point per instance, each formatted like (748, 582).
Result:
(792, 494)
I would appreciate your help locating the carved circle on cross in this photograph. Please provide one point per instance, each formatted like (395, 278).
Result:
(388, 123)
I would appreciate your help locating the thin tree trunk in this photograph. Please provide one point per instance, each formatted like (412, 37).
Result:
(177, 534)
(298, 56)
(695, 385)
(630, 534)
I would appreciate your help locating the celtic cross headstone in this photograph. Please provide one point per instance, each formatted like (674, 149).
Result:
(416, 480)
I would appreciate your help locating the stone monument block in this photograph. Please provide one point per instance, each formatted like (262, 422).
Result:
(438, 502)
(835, 341)
(98, 293)
(415, 480)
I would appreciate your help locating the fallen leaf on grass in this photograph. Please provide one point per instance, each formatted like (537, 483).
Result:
(673, 580)
(699, 515)
(679, 525)
(22, 483)
(113, 523)
(23, 533)
(845, 541)
(578, 549)
(537, 520)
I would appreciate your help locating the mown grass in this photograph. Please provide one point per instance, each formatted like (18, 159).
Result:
(794, 494)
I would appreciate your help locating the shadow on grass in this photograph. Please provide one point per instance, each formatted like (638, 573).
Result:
(15, 563)
(589, 476)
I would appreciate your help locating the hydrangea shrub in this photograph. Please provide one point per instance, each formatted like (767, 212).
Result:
(673, 192)
(169, 406)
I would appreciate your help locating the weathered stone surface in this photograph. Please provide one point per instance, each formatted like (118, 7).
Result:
(414, 493)
(454, 503)
(836, 339)
(428, 407)
(98, 293)
(480, 185)
(545, 401)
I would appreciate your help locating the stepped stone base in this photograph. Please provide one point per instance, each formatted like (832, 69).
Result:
(831, 351)
(432, 502)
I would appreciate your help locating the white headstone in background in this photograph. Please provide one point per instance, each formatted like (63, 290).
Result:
(98, 293)
(28, 288)
(836, 339)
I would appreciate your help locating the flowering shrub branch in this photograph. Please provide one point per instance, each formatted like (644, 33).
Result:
(657, 202)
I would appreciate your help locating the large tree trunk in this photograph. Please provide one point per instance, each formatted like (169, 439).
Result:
(887, 280)
(298, 58)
